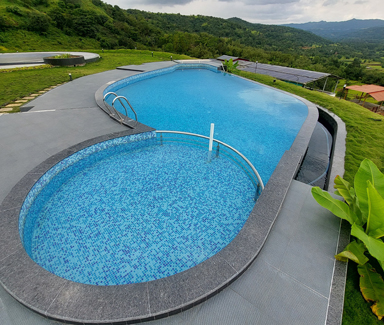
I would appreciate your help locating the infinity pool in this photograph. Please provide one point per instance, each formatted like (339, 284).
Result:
(260, 122)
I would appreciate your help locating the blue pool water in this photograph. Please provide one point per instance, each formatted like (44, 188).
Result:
(260, 122)
(129, 210)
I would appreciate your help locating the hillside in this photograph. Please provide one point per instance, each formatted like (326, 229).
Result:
(62, 22)
(357, 29)
(32, 25)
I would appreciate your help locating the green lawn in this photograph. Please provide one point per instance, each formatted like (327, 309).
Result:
(365, 138)
(20, 83)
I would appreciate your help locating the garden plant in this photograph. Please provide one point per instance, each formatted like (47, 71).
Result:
(364, 210)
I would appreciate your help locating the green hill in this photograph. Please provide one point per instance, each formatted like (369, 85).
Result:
(87, 23)
(32, 25)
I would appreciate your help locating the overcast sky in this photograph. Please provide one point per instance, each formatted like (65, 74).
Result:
(264, 11)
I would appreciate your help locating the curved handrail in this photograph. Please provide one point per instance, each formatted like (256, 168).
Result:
(116, 112)
(224, 144)
(122, 97)
(105, 97)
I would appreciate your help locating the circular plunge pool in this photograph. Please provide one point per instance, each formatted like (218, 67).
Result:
(129, 210)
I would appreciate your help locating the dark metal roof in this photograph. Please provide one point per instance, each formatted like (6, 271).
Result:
(284, 73)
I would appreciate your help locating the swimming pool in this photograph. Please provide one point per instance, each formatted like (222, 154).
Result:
(260, 122)
(134, 209)
(62, 299)
(83, 222)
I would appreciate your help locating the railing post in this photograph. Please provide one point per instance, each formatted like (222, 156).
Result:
(211, 142)
(161, 139)
(217, 150)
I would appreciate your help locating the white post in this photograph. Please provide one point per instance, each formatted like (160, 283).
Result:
(211, 136)
(211, 142)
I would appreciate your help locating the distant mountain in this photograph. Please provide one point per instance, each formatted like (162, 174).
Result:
(282, 37)
(356, 29)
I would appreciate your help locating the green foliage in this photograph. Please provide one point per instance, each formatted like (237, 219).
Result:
(367, 198)
(198, 36)
(230, 66)
(355, 252)
(372, 288)
(39, 23)
(62, 56)
(14, 10)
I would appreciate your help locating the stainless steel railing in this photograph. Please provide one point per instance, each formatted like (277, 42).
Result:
(252, 173)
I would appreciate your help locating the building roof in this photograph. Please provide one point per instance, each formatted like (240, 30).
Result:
(228, 57)
(377, 92)
(285, 73)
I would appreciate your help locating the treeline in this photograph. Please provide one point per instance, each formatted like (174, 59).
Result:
(197, 36)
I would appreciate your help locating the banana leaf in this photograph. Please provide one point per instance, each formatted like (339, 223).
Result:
(355, 252)
(367, 172)
(337, 207)
(375, 221)
(375, 246)
(343, 188)
(372, 288)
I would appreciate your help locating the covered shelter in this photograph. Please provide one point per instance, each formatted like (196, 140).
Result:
(377, 92)
(297, 76)
(228, 57)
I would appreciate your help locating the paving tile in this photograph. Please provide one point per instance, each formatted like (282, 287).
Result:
(291, 303)
(6, 109)
(309, 267)
(227, 308)
(256, 282)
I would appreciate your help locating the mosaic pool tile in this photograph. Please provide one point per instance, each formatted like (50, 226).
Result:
(134, 211)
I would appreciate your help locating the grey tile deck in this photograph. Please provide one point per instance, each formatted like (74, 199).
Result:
(289, 282)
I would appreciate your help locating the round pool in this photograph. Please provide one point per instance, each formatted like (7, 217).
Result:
(130, 210)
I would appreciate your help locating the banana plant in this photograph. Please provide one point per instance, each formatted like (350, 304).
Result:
(364, 210)
(230, 66)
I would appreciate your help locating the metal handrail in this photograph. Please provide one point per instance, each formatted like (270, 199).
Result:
(116, 112)
(260, 182)
(106, 104)
(122, 97)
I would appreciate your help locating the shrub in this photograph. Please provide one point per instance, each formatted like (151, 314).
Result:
(14, 10)
(39, 23)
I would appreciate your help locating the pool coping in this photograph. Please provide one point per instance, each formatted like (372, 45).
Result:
(62, 299)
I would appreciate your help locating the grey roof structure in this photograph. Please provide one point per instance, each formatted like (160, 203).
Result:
(285, 73)
(228, 57)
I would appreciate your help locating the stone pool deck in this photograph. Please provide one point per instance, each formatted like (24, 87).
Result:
(290, 281)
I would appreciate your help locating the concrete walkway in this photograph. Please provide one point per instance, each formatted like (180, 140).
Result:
(289, 283)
